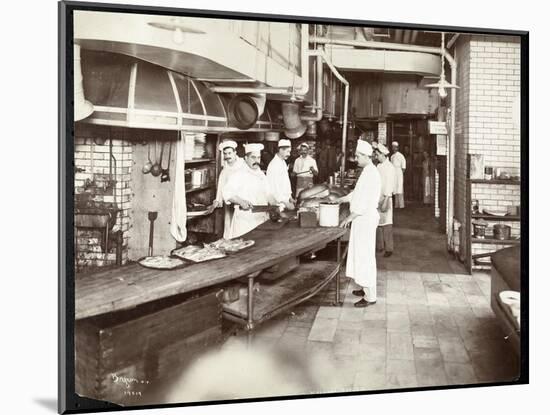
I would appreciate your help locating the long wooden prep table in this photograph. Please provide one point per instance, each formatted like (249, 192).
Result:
(132, 285)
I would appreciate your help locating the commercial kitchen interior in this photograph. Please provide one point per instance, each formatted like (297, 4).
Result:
(148, 81)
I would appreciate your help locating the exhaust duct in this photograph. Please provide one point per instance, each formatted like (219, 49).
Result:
(82, 108)
(293, 125)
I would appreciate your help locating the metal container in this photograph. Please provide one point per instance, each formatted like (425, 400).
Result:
(501, 232)
(329, 214)
(479, 229)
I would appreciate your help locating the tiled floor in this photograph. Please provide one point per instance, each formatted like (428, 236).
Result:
(431, 326)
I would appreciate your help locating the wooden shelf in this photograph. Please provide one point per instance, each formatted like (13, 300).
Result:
(496, 181)
(496, 241)
(198, 161)
(496, 217)
(199, 188)
(291, 289)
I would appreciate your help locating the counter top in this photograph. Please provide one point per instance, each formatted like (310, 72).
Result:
(128, 286)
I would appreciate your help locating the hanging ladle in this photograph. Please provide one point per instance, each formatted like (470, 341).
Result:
(147, 166)
(165, 174)
(156, 169)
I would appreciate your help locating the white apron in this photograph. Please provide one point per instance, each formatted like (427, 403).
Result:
(400, 164)
(225, 174)
(361, 261)
(250, 185)
(244, 221)
(278, 179)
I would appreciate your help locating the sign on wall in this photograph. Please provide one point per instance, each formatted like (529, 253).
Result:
(438, 127)
(441, 149)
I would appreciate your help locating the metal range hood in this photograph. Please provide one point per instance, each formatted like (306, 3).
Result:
(128, 92)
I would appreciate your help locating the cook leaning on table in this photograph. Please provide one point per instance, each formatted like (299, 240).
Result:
(364, 219)
(246, 188)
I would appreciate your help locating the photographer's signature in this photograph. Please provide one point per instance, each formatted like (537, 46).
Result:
(129, 383)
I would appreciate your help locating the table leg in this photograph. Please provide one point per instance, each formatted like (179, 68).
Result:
(338, 259)
(250, 308)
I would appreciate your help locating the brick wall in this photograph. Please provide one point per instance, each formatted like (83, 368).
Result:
(92, 164)
(489, 77)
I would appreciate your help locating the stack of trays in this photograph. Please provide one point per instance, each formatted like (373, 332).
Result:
(200, 146)
(189, 145)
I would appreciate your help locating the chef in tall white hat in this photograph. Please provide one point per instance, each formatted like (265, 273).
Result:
(400, 164)
(364, 218)
(246, 188)
(277, 175)
(384, 233)
(231, 164)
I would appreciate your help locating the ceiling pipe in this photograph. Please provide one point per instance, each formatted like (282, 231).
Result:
(451, 149)
(303, 90)
(319, 95)
(407, 36)
(451, 160)
(452, 41)
(320, 53)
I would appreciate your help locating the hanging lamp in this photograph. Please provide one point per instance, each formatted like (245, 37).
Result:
(442, 84)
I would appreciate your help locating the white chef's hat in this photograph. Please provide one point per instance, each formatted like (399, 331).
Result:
(284, 143)
(253, 148)
(383, 149)
(364, 147)
(306, 145)
(395, 143)
(227, 144)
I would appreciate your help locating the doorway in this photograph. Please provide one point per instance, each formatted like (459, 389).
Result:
(418, 147)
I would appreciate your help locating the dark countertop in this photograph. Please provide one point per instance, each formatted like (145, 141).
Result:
(128, 286)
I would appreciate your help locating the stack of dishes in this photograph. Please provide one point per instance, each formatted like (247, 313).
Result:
(189, 145)
(200, 146)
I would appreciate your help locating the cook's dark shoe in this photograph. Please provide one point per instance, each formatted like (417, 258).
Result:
(358, 293)
(361, 303)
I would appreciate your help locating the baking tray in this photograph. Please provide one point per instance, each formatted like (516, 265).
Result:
(240, 250)
(189, 261)
(183, 265)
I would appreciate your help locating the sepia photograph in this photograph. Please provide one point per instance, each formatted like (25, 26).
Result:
(265, 206)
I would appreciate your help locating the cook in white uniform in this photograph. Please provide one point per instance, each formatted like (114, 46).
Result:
(364, 219)
(305, 168)
(247, 187)
(277, 176)
(384, 233)
(232, 163)
(400, 164)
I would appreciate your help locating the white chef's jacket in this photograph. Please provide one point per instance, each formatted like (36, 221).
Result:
(302, 164)
(400, 164)
(387, 177)
(225, 174)
(250, 185)
(279, 182)
(361, 261)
